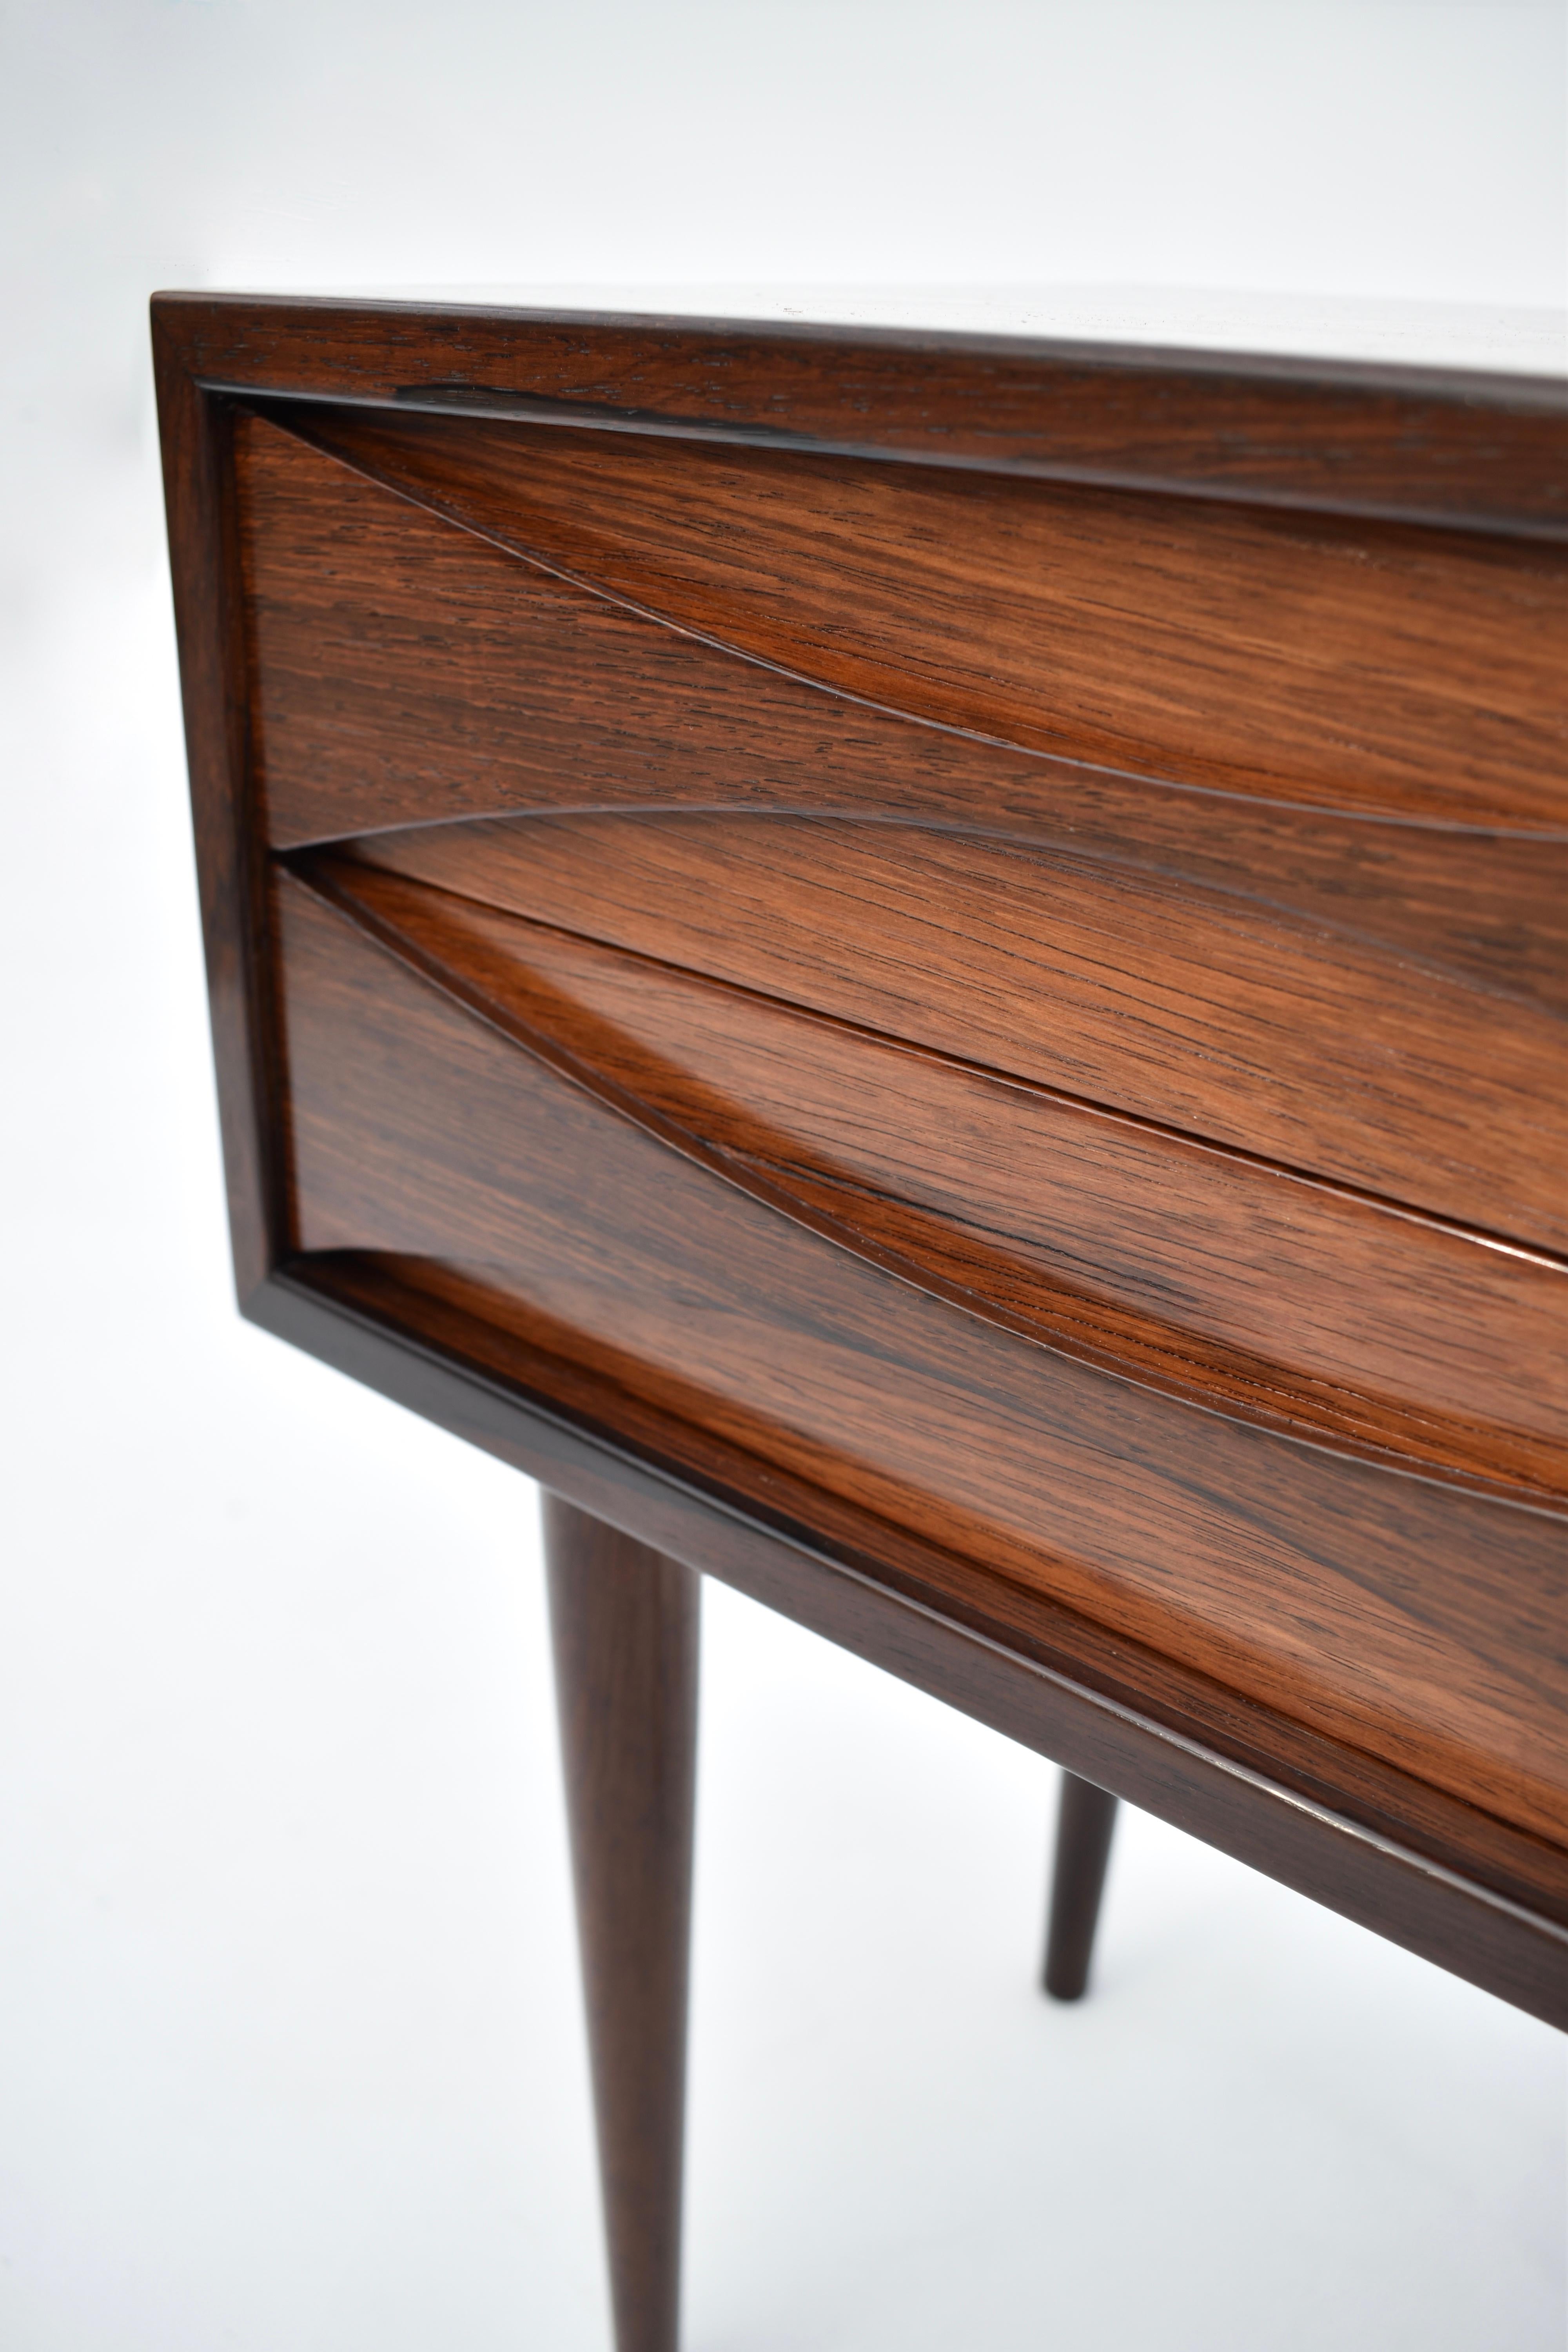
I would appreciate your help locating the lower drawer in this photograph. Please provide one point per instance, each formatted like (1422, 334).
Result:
(1402, 1611)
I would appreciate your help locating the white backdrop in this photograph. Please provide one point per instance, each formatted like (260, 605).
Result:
(291, 2053)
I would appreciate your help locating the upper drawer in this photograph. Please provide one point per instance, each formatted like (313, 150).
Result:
(1326, 924)
(1384, 668)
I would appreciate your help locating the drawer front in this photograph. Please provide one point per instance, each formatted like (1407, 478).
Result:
(1039, 1013)
(1381, 669)
(1208, 1272)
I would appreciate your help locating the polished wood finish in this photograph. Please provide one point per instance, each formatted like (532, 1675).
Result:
(929, 976)
(624, 1622)
(1086, 1819)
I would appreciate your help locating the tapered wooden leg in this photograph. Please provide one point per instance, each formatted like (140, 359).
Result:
(624, 1622)
(1085, 1819)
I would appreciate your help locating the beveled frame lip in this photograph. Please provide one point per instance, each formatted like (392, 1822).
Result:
(1440, 379)
(976, 401)
(1484, 1900)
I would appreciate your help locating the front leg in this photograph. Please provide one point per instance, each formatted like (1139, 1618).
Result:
(624, 1622)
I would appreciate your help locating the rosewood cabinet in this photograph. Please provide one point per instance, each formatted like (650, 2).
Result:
(927, 974)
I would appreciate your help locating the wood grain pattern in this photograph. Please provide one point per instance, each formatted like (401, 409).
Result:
(1420, 1623)
(1210, 1016)
(1430, 444)
(1376, 668)
(1219, 1278)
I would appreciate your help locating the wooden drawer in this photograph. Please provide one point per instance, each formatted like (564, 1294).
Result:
(1017, 1013)
(593, 1225)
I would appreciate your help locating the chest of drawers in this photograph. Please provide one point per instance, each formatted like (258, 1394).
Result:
(927, 974)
